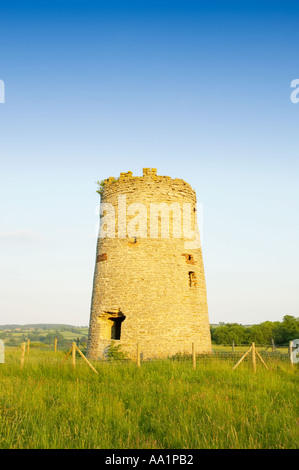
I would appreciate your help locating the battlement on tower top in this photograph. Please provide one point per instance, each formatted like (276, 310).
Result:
(149, 176)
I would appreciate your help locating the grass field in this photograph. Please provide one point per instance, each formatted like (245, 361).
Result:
(163, 404)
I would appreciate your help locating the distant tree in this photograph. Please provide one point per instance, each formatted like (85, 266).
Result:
(231, 332)
(220, 334)
(49, 339)
(12, 342)
(262, 333)
(287, 330)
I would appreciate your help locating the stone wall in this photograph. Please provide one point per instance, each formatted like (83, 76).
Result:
(148, 290)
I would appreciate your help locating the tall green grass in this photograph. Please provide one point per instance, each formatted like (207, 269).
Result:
(163, 404)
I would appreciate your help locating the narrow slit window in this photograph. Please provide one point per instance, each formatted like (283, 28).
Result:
(192, 279)
(189, 258)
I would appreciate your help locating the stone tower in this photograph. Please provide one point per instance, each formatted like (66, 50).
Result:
(149, 282)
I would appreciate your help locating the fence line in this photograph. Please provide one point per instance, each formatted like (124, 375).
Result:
(64, 344)
(236, 354)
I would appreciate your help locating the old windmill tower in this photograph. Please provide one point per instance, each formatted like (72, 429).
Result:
(149, 282)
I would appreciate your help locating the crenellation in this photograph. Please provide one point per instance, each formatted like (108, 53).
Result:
(127, 182)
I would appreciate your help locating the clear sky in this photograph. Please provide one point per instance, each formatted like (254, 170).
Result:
(198, 90)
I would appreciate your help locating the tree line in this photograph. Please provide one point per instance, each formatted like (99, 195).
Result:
(263, 333)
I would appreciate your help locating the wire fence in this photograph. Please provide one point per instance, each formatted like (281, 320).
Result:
(235, 354)
(221, 351)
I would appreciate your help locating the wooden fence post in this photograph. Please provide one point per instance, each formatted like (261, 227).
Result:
(28, 345)
(67, 355)
(193, 356)
(261, 359)
(243, 357)
(55, 344)
(72, 351)
(138, 355)
(253, 358)
(74, 355)
(23, 354)
(254, 354)
(86, 360)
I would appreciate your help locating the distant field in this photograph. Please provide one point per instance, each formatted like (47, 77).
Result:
(14, 335)
(162, 404)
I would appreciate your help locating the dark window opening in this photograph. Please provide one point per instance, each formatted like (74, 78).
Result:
(189, 258)
(192, 279)
(116, 327)
(110, 324)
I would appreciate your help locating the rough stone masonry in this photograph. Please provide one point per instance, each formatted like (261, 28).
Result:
(149, 284)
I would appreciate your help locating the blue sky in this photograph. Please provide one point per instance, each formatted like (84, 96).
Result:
(198, 90)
